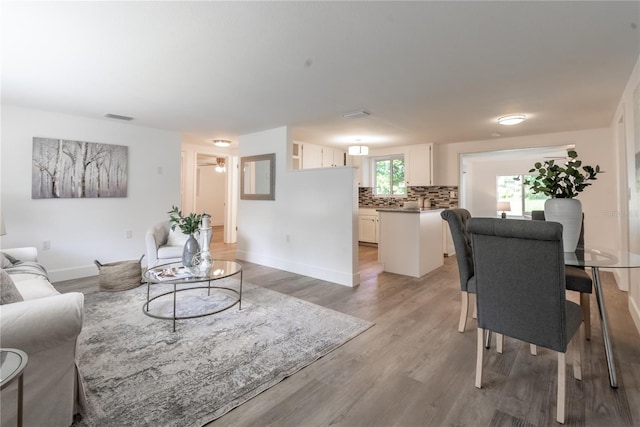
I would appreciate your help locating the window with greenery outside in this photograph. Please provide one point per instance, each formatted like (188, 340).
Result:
(515, 189)
(389, 177)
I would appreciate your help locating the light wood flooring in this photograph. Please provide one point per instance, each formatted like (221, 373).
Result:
(414, 369)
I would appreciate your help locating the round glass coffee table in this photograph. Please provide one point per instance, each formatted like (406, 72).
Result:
(182, 279)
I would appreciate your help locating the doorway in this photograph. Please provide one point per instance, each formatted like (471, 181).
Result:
(211, 189)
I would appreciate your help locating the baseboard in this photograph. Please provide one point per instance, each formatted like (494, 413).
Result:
(72, 273)
(622, 278)
(634, 309)
(341, 278)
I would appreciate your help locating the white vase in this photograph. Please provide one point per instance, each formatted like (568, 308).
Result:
(567, 212)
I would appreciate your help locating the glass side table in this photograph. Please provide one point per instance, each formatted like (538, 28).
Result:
(12, 364)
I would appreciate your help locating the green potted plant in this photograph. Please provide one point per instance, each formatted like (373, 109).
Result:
(188, 225)
(563, 183)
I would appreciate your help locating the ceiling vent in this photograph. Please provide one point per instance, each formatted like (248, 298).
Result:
(118, 117)
(356, 114)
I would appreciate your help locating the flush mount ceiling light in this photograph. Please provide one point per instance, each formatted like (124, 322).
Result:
(513, 119)
(358, 150)
(221, 143)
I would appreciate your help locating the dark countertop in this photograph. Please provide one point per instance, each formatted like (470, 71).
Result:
(408, 210)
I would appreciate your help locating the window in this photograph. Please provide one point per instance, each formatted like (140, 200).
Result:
(389, 176)
(515, 190)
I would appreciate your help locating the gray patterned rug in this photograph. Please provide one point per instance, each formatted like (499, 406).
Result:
(136, 371)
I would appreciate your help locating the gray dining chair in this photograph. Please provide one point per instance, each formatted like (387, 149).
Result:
(520, 291)
(457, 220)
(577, 279)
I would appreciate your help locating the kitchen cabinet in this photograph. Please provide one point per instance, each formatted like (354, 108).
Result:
(368, 225)
(332, 157)
(311, 156)
(362, 172)
(418, 165)
(317, 156)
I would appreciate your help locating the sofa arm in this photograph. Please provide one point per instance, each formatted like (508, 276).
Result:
(23, 254)
(43, 323)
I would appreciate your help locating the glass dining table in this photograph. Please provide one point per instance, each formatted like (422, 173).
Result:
(596, 258)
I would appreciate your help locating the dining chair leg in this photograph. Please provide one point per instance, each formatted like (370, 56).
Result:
(474, 314)
(464, 311)
(586, 314)
(562, 387)
(576, 344)
(479, 355)
(499, 343)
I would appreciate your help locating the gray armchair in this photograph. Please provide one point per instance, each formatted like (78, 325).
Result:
(520, 290)
(577, 279)
(457, 219)
(160, 250)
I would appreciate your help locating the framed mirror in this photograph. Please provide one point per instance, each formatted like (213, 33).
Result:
(258, 177)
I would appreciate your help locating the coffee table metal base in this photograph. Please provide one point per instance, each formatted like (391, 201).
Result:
(222, 269)
(237, 300)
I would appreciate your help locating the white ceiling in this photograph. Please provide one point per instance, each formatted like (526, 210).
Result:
(426, 71)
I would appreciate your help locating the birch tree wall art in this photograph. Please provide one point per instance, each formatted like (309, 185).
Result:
(78, 169)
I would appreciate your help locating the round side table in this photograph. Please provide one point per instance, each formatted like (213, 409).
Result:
(12, 364)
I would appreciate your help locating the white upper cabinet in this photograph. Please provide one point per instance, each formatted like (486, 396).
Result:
(311, 156)
(418, 165)
(318, 156)
(362, 165)
(332, 157)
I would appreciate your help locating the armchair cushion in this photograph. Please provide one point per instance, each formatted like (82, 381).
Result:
(8, 291)
(177, 238)
(165, 252)
(33, 286)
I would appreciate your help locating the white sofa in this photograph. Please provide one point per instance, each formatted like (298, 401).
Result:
(46, 326)
(163, 244)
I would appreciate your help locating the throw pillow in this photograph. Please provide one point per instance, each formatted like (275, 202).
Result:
(177, 237)
(8, 291)
(6, 260)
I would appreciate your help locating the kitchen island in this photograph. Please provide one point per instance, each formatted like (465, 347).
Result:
(410, 241)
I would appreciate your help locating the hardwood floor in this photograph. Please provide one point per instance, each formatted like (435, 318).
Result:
(414, 369)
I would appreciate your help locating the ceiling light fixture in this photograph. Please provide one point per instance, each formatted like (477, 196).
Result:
(220, 164)
(221, 143)
(513, 119)
(358, 150)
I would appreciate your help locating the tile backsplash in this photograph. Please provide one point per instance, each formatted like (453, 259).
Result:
(437, 196)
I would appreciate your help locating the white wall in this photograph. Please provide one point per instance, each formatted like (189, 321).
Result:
(626, 133)
(81, 230)
(594, 146)
(311, 226)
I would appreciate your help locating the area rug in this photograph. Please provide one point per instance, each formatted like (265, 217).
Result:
(136, 371)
